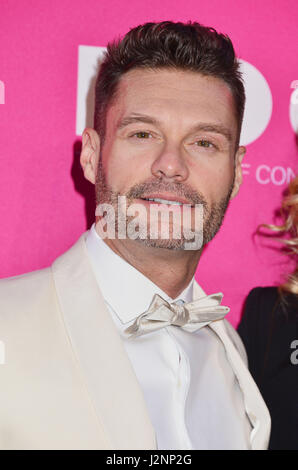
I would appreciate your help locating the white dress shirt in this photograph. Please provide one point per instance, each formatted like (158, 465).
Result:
(192, 395)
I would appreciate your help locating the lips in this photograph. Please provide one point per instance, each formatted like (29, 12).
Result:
(165, 198)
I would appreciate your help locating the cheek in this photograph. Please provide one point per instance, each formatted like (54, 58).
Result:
(123, 169)
(212, 180)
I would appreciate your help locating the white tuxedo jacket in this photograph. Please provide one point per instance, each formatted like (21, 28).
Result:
(67, 382)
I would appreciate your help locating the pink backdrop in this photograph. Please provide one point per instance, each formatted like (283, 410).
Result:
(45, 202)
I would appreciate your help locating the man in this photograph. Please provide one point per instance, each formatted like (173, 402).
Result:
(116, 346)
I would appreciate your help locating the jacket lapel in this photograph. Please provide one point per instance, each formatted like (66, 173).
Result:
(255, 406)
(111, 382)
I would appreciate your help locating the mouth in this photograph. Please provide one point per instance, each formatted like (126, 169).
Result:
(170, 201)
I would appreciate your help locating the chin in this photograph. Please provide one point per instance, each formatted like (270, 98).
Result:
(166, 244)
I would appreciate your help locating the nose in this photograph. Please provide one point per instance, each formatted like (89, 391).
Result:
(170, 165)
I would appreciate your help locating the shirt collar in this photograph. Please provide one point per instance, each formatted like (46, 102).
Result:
(127, 291)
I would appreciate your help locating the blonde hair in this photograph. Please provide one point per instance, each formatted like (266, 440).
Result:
(289, 212)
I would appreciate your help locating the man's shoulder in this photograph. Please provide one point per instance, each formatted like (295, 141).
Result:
(27, 304)
(37, 286)
(26, 279)
(33, 280)
(24, 288)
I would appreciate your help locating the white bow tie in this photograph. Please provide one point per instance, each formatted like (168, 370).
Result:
(161, 313)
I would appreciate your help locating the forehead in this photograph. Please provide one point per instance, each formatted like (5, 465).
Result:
(176, 97)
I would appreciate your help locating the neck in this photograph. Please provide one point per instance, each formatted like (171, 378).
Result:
(170, 270)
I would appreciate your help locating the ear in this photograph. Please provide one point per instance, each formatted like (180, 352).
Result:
(238, 170)
(90, 153)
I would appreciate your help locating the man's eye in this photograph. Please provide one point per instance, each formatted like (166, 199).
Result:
(205, 143)
(141, 135)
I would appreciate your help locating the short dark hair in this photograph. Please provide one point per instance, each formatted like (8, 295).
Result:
(179, 46)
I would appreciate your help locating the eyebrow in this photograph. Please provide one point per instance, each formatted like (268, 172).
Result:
(200, 126)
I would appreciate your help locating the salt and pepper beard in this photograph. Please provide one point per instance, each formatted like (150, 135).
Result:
(212, 216)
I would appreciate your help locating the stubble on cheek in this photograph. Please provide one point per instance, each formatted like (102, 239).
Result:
(213, 213)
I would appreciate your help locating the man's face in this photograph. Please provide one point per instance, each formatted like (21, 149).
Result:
(171, 135)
